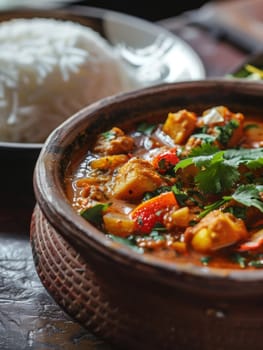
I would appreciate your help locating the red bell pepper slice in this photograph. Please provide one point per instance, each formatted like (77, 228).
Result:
(255, 242)
(149, 213)
(165, 161)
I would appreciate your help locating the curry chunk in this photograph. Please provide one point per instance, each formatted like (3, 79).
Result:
(109, 162)
(118, 224)
(179, 217)
(215, 231)
(114, 141)
(179, 126)
(135, 178)
(226, 126)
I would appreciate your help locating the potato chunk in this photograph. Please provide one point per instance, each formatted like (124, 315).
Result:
(179, 126)
(118, 224)
(135, 178)
(109, 162)
(215, 231)
(180, 217)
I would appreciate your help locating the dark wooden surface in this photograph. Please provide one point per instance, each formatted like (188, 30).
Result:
(29, 318)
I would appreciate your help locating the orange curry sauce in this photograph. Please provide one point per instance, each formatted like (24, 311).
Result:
(187, 189)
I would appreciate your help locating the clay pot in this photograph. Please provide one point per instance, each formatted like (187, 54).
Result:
(136, 301)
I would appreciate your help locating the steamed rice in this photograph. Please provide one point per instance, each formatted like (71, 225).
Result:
(49, 69)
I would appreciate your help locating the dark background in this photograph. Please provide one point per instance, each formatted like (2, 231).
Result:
(153, 11)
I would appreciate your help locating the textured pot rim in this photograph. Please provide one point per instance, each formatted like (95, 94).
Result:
(54, 204)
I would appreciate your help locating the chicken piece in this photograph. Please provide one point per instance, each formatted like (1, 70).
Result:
(215, 231)
(226, 126)
(179, 126)
(113, 142)
(134, 178)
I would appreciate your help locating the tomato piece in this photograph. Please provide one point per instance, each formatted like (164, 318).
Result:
(165, 161)
(149, 213)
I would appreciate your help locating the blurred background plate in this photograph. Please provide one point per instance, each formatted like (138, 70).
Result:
(178, 60)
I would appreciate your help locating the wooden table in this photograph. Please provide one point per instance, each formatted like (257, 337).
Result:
(29, 318)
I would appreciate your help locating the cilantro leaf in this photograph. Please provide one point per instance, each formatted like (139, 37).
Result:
(203, 150)
(214, 175)
(249, 195)
(201, 156)
(218, 170)
(130, 241)
(252, 158)
(225, 132)
(94, 214)
(216, 178)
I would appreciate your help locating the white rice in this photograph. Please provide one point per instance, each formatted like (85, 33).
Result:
(49, 69)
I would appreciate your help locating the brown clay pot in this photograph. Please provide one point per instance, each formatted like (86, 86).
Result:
(134, 301)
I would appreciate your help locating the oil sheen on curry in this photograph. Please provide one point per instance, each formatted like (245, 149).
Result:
(189, 188)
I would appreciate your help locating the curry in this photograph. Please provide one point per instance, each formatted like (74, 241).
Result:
(187, 189)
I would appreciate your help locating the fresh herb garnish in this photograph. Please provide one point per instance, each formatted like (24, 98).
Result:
(217, 177)
(205, 260)
(225, 132)
(237, 211)
(203, 150)
(129, 241)
(256, 263)
(94, 214)
(218, 170)
(149, 195)
(181, 196)
(206, 138)
(109, 135)
(240, 260)
(248, 195)
(211, 207)
(146, 128)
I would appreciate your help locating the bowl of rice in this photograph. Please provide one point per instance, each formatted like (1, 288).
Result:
(49, 69)
(55, 62)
